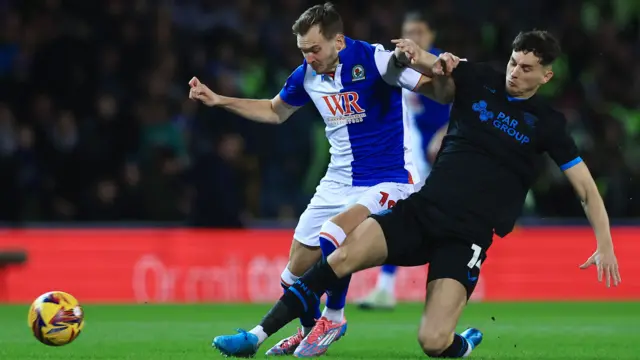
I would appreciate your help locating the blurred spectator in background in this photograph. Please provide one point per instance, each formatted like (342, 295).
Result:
(95, 124)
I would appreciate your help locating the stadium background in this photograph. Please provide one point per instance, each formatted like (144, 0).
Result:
(118, 189)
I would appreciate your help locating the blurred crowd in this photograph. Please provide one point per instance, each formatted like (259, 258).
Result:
(95, 124)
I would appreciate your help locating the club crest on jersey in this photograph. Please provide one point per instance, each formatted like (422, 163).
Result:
(357, 73)
(500, 121)
(530, 120)
(343, 108)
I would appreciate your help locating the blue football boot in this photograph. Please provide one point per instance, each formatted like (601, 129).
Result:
(242, 344)
(473, 337)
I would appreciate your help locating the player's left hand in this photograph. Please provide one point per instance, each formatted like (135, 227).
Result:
(607, 265)
(407, 49)
(446, 63)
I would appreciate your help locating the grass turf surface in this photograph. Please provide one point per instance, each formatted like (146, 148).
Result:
(512, 331)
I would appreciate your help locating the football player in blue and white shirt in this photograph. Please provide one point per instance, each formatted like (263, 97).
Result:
(357, 88)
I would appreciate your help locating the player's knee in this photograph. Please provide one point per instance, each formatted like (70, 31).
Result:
(331, 237)
(340, 261)
(433, 342)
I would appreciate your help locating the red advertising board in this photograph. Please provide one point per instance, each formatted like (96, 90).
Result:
(244, 266)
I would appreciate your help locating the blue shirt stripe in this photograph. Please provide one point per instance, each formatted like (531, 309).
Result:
(571, 164)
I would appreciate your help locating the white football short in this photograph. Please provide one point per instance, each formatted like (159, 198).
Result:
(332, 198)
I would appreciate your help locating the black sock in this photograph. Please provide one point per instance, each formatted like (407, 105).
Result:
(307, 320)
(300, 298)
(457, 349)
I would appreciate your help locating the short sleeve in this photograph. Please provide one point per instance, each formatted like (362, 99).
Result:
(560, 145)
(293, 92)
(404, 77)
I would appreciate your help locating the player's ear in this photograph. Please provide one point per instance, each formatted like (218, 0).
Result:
(340, 41)
(547, 75)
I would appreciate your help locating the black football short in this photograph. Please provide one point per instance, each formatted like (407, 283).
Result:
(413, 241)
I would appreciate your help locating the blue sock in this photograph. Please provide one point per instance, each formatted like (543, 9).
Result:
(307, 320)
(336, 294)
(389, 269)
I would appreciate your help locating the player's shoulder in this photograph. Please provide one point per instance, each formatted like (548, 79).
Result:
(541, 111)
(298, 74)
(301, 70)
(543, 107)
(370, 56)
(366, 48)
(545, 110)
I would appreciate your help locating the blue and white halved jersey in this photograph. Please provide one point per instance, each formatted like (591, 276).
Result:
(366, 123)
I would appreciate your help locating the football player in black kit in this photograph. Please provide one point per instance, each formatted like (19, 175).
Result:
(498, 130)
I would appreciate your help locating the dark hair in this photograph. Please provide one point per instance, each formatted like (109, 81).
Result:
(541, 43)
(325, 16)
(417, 16)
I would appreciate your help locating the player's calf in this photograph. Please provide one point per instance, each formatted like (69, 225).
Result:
(288, 346)
(332, 325)
(308, 320)
(301, 258)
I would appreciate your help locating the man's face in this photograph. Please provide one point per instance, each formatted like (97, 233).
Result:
(321, 53)
(525, 74)
(419, 32)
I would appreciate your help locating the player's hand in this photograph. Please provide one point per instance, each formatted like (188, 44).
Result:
(607, 265)
(407, 51)
(200, 91)
(445, 64)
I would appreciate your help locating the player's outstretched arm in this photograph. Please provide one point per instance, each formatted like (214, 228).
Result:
(440, 86)
(274, 111)
(396, 73)
(604, 258)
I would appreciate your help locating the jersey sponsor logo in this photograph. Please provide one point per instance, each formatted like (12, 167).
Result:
(357, 73)
(500, 121)
(344, 108)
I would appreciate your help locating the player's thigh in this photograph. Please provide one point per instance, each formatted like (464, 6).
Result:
(302, 257)
(407, 242)
(458, 260)
(328, 201)
(365, 247)
(305, 248)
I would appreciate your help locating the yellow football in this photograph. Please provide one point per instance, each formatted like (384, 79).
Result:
(56, 318)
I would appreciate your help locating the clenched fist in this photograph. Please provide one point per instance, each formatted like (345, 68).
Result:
(200, 91)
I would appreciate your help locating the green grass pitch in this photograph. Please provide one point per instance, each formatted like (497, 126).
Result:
(512, 331)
